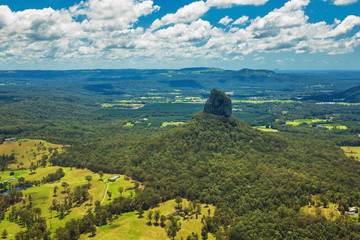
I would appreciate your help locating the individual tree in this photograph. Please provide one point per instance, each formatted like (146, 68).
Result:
(55, 190)
(149, 216)
(93, 230)
(64, 185)
(101, 174)
(178, 200)
(4, 234)
(88, 178)
(21, 180)
(109, 194)
(141, 212)
(157, 217)
(37, 212)
(162, 220)
(121, 190)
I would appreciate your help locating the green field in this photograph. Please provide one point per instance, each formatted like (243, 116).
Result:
(27, 151)
(165, 124)
(352, 152)
(298, 122)
(334, 126)
(263, 128)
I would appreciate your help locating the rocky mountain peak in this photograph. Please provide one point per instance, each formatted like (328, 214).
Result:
(218, 103)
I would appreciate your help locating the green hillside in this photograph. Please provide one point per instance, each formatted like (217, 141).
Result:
(245, 172)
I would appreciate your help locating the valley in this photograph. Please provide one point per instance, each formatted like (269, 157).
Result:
(275, 167)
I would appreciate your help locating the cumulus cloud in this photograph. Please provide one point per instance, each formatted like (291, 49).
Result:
(229, 3)
(188, 13)
(345, 26)
(106, 29)
(241, 21)
(344, 2)
(112, 14)
(225, 20)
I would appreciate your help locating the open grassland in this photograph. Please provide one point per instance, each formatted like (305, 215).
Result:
(352, 152)
(27, 151)
(263, 128)
(43, 195)
(130, 227)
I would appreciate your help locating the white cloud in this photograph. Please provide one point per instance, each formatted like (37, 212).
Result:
(225, 20)
(344, 2)
(196, 31)
(188, 13)
(345, 26)
(241, 21)
(112, 14)
(108, 32)
(229, 3)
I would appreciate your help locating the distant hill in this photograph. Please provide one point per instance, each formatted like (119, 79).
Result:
(349, 95)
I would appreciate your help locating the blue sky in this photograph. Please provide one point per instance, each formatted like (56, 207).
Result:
(229, 34)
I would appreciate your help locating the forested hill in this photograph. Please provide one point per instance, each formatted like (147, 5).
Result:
(349, 95)
(246, 173)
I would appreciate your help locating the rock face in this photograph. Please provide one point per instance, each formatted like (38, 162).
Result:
(218, 104)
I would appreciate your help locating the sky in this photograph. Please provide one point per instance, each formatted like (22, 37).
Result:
(227, 34)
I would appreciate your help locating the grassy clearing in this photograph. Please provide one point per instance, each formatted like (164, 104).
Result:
(330, 213)
(27, 151)
(122, 105)
(352, 152)
(297, 122)
(129, 124)
(130, 227)
(334, 127)
(165, 124)
(263, 128)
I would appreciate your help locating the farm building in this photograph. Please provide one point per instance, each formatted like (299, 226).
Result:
(352, 209)
(113, 179)
(10, 139)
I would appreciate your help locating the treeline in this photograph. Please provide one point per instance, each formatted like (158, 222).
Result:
(5, 160)
(52, 177)
(227, 163)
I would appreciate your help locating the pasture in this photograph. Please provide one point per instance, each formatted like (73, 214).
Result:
(352, 152)
(131, 227)
(27, 151)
